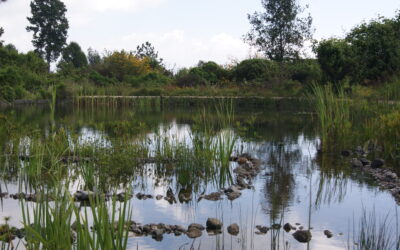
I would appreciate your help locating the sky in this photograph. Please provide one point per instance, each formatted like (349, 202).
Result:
(183, 31)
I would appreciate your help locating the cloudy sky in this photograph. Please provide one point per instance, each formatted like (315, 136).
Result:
(183, 31)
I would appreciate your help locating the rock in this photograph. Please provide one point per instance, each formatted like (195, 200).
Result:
(242, 160)
(194, 233)
(179, 228)
(346, 153)
(377, 163)
(262, 229)
(232, 189)
(159, 197)
(197, 226)
(234, 195)
(170, 197)
(328, 234)
(157, 234)
(213, 224)
(233, 229)
(302, 236)
(287, 227)
(213, 196)
(185, 195)
(356, 163)
(365, 161)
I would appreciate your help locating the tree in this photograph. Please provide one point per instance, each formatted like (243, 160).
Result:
(376, 49)
(1, 33)
(50, 28)
(335, 60)
(147, 50)
(73, 55)
(94, 57)
(279, 32)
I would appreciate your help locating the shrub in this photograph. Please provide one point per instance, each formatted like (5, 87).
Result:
(151, 79)
(305, 71)
(255, 69)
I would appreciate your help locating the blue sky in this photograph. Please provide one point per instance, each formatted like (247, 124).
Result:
(183, 31)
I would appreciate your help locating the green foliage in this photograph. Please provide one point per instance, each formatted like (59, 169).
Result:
(255, 69)
(279, 32)
(73, 55)
(99, 79)
(49, 26)
(389, 134)
(305, 71)
(335, 59)
(205, 73)
(94, 57)
(1, 33)
(151, 79)
(376, 49)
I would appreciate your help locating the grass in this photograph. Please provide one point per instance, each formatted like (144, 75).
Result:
(333, 111)
(374, 233)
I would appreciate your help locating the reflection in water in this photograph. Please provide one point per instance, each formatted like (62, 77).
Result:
(154, 151)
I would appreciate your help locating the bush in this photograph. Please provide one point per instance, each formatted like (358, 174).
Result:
(305, 71)
(148, 92)
(151, 79)
(99, 79)
(255, 69)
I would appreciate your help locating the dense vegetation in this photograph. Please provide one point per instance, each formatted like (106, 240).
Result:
(366, 63)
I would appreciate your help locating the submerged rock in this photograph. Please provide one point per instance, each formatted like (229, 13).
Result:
(262, 229)
(213, 196)
(170, 197)
(159, 197)
(213, 224)
(194, 233)
(328, 234)
(233, 229)
(302, 236)
(287, 227)
(233, 195)
(197, 226)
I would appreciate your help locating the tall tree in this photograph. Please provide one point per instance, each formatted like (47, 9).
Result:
(279, 32)
(147, 50)
(50, 28)
(1, 33)
(73, 55)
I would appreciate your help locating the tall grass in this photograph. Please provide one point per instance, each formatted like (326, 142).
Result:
(333, 111)
(373, 233)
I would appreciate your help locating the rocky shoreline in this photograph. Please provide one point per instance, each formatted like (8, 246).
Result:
(384, 177)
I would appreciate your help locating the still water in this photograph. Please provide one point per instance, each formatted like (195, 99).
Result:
(296, 185)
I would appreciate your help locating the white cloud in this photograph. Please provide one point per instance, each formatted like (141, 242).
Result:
(107, 5)
(178, 47)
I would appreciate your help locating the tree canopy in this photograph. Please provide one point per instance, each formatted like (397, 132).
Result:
(73, 55)
(279, 32)
(49, 26)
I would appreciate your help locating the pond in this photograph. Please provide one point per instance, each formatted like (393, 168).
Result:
(155, 149)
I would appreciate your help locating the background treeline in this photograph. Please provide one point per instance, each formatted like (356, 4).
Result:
(368, 58)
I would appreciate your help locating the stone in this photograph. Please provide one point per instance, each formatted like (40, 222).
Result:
(302, 236)
(194, 233)
(213, 224)
(262, 229)
(377, 163)
(356, 163)
(287, 227)
(157, 234)
(365, 161)
(197, 226)
(328, 233)
(159, 197)
(234, 195)
(233, 229)
(213, 196)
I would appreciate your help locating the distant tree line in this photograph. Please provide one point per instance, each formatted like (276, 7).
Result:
(369, 55)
